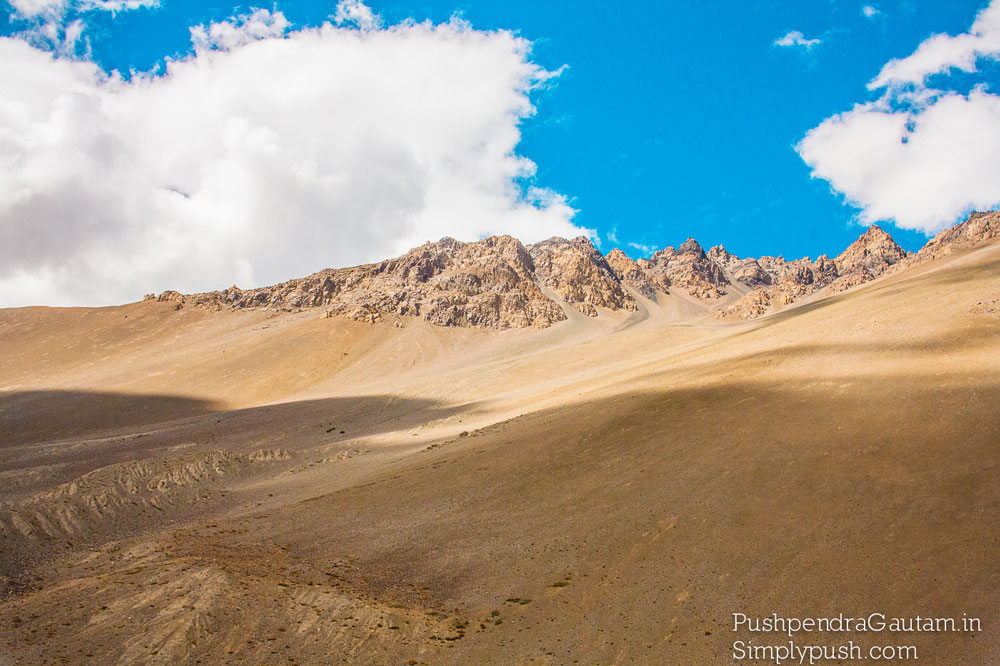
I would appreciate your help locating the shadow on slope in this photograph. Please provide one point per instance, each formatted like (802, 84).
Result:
(623, 530)
(38, 416)
(661, 514)
(52, 437)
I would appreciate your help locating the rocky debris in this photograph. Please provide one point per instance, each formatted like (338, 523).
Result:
(687, 267)
(489, 283)
(852, 279)
(987, 307)
(576, 271)
(978, 227)
(750, 306)
(629, 273)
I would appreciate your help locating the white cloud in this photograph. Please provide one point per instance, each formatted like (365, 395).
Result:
(34, 8)
(941, 52)
(796, 38)
(870, 11)
(270, 156)
(645, 249)
(58, 25)
(240, 30)
(355, 12)
(27, 8)
(57, 35)
(118, 5)
(918, 156)
(924, 171)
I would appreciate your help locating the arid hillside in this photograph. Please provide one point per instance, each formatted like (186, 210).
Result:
(555, 458)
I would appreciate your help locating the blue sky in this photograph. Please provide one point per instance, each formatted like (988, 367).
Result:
(670, 119)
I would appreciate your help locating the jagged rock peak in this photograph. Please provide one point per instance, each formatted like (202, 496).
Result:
(691, 246)
(874, 251)
(687, 267)
(720, 255)
(630, 273)
(580, 274)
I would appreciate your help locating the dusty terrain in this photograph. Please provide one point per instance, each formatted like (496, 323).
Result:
(255, 487)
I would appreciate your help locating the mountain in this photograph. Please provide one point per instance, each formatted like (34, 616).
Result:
(500, 283)
(246, 481)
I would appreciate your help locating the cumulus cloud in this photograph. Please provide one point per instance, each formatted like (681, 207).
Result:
(797, 39)
(923, 171)
(240, 30)
(918, 156)
(941, 52)
(266, 155)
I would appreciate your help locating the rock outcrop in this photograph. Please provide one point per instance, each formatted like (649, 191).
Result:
(746, 271)
(978, 227)
(581, 276)
(751, 273)
(776, 267)
(872, 255)
(750, 306)
(874, 252)
(687, 267)
(629, 273)
(489, 283)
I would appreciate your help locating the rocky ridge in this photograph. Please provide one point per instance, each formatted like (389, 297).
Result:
(500, 283)
(687, 267)
(978, 227)
(490, 283)
(873, 254)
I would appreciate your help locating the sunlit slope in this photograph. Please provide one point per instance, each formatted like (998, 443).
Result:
(607, 491)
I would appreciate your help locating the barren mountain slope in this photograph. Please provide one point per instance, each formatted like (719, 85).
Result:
(605, 490)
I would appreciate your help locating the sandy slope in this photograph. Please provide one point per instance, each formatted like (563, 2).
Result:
(246, 487)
